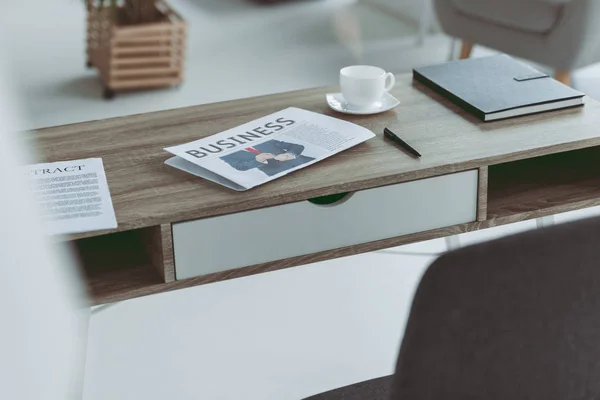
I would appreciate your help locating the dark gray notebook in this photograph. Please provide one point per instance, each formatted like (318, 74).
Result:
(497, 87)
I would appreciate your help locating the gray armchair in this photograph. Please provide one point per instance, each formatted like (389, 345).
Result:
(562, 34)
(516, 318)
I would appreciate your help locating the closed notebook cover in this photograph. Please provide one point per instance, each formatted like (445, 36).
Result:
(493, 84)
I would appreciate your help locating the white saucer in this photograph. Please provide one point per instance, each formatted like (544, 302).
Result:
(337, 102)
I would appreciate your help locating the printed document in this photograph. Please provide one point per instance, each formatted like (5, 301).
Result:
(73, 195)
(267, 148)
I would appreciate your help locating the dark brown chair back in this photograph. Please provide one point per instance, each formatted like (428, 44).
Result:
(513, 319)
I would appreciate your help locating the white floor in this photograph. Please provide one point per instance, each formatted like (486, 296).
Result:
(236, 49)
(281, 335)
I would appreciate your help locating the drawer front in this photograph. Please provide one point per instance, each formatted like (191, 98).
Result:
(253, 237)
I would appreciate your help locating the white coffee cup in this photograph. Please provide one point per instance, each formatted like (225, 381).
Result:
(364, 85)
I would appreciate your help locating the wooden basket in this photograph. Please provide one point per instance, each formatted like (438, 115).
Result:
(140, 56)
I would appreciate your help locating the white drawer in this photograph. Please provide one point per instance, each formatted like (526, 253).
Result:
(236, 240)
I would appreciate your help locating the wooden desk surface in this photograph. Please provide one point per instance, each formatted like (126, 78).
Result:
(146, 192)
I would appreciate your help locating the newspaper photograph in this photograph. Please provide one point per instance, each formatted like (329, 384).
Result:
(267, 148)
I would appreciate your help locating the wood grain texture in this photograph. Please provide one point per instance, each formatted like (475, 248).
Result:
(167, 250)
(140, 45)
(144, 71)
(146, 192)
(482, 194)
(158, 242)
(140, 82)
(157, 61)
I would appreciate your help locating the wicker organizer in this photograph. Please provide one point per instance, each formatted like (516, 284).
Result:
(130, 56)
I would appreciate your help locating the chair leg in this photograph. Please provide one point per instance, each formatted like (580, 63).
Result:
(465, 49)
(563, 77)
(424, 21)
(543, 222)
(452, 54)
(452, 242)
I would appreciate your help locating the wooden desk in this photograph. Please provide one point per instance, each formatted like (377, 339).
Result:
(525, 168)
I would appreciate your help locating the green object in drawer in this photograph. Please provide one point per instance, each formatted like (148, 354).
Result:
(331, 199)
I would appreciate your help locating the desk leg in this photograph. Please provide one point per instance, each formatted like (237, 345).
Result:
(452, 242)
(466, 49)
(482, 194)
(159, 244)
(452, 54)
(424, 21)
(545, 221)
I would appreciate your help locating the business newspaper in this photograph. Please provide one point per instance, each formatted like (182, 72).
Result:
(267, 148)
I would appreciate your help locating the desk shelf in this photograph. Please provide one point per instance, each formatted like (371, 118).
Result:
(120, 265)
(544, 185)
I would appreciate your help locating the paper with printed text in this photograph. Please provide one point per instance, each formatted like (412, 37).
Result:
(267, 148)
(74, 195)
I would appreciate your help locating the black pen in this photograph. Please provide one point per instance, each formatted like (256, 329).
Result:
(394, 138)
